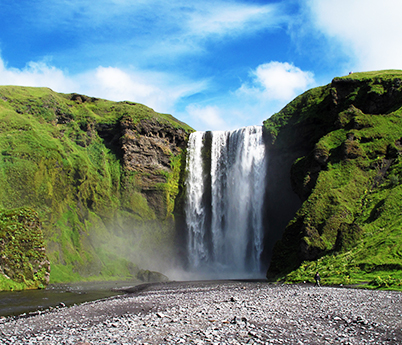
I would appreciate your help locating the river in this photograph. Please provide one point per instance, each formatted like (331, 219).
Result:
(24, 302)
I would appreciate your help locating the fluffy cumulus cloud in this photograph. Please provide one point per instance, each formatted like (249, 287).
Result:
(276, 81)
(370, 31)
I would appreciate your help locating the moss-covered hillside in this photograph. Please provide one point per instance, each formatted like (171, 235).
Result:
(348, 175)
(23, 260)
(102, 176)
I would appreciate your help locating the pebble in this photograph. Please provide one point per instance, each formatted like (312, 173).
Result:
(232, 312)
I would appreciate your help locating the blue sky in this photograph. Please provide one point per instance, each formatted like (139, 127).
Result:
(215, 65)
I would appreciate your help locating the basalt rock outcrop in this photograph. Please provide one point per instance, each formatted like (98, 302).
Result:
(340, 144)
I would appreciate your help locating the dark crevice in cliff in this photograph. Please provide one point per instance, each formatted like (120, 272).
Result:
(111, 135)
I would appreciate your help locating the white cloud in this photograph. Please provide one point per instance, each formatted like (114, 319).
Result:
(206, 118)
(36, 74)
(276, 81)
(156, 90)
(160, 91)
(207, 21)
(369, 30)
(272, 86)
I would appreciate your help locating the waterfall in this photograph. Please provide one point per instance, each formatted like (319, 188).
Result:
(225, 189)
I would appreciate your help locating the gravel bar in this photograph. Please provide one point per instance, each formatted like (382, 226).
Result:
(218, 312)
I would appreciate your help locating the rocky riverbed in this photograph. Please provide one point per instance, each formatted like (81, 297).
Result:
(234, 312)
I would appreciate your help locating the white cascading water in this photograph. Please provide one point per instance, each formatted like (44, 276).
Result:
(225, 194)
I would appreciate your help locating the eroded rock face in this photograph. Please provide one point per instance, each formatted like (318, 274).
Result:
(148, 147)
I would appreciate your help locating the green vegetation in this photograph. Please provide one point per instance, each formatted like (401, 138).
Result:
(349, 227)
(62, 155)
(23, 261)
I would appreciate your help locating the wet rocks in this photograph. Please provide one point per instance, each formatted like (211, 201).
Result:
(220, 313)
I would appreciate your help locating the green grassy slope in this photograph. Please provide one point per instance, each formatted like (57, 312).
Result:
(349, 227)
(62, 156)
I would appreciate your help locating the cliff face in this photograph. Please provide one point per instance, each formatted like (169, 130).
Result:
(148, 148)
(341, 144)
(105, 178)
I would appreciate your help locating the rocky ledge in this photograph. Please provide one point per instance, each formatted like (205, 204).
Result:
(219, 313)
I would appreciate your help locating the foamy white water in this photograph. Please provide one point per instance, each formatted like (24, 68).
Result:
(225, 195)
